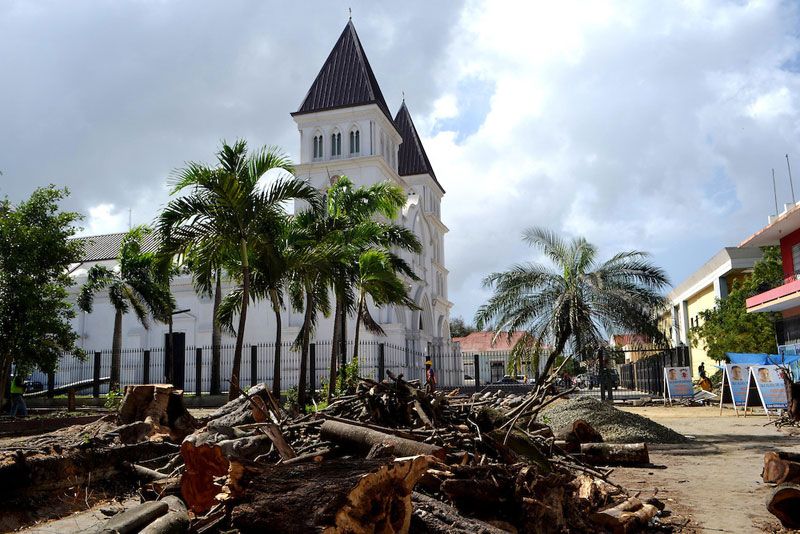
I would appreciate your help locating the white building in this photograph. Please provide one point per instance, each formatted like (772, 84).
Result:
(345, 129)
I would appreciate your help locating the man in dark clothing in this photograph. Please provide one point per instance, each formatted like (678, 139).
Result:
(702, 370)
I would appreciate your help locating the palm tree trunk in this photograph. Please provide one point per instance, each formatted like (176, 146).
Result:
(343, 343)
(301, 385)
(276, 370)
(334, 347)
(358, 325)
(170, 367)
(216, 338)
(559, 348)
(234, 389)
(116, 351)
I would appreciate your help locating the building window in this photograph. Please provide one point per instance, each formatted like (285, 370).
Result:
(336, 145)
(318, 147)
(355, 142)
(796, 259)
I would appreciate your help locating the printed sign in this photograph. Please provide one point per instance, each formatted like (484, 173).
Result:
(769, 382)
(738, 376)
(679, 382)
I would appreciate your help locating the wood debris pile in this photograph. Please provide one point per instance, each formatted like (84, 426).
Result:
(388, 458)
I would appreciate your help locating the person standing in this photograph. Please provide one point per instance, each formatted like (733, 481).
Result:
(702, 370)
(430, 377)
(18, 406)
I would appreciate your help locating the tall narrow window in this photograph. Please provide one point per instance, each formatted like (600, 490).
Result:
(336, 145)
(358, 142)
(352, 142)
(317, 147)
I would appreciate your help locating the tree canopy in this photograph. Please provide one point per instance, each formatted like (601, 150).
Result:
(35, 254)
(727, 327)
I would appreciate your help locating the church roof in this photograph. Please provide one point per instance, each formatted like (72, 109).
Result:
(345, 80)
(412, 158)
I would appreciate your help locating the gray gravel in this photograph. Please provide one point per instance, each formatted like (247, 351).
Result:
(614, 425)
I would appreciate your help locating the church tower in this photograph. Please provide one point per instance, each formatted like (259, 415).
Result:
(346, 129)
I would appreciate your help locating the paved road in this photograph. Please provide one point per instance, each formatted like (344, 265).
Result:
(716, 480)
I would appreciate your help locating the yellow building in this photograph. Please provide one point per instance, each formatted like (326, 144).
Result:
(699, 292)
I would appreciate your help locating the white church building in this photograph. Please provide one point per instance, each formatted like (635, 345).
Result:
(346, 128)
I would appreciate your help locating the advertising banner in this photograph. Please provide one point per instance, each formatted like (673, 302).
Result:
(679, 382)
(738, 376)
(770, 386)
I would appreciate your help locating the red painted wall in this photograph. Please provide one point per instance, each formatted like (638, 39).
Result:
(786, 252)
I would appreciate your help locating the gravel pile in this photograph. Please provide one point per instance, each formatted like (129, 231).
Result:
(614, 425)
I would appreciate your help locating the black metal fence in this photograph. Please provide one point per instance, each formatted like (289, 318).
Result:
(190, 369)
(647, 374)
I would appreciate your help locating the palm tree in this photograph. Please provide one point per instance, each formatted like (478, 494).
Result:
(377, 277)
(579, 300)
(352, 219)
(134, 285)
(226, 204)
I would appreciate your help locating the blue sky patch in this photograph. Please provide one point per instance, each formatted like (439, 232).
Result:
(474, 97)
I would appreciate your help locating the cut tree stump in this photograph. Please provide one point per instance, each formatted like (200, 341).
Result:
(784, 503)
(365, 439)
(780, 467)
(335, 496)
(158, 405)
(615, 453)
(580, 432)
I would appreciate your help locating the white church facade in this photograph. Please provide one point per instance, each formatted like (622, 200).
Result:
(345, 129)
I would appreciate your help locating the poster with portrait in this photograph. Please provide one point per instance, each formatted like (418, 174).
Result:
(678, 382)
(737, 377)
(769, 386)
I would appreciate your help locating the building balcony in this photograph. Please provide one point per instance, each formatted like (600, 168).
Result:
(779, 299)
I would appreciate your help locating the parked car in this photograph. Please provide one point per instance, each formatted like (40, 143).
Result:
(508, 379)
(469, 381)
(32, 386)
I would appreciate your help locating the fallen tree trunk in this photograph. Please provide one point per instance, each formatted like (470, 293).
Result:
(780, 467)
(175, 521)
(364, 439)
(331, 496)
(38, 472)
(134, 520)
(615, 453)
(784, 503)
(580, 432)
(158, 405)
(435, 517)
(628, 516)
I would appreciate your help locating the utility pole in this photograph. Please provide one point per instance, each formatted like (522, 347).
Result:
(791, 184)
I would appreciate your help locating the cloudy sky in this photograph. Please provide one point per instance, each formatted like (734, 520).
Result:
(649, 125)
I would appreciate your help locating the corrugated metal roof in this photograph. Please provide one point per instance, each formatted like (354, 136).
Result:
(346, 79)
(412, 158)
(106, 247)
(482, 342)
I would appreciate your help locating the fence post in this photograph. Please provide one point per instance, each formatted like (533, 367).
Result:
(146, 368)
(253, 365)
(51, 383)
(381, 361)
(214, 388)
(96, 376)
(198, 371)
(312, 368)
(477, 372)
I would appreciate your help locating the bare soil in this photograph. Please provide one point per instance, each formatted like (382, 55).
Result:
(715, 480)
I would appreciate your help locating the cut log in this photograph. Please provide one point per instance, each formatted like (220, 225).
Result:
(160, 406)
(594, 491)
(630, 515)
(580, 432)
(780, 467)
(242, 410)
(332, 496)
(38, 472)
(175, 521)
(784, 503)
(615, 453)
(364, 439)
(435, 517)
(135, 519)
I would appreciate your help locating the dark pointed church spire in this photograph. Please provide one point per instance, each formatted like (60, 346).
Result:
(412, 158)
(345, 80)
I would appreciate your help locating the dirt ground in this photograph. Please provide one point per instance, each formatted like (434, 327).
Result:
(715, 481)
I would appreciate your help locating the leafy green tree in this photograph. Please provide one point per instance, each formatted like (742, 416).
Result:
(578, 301)
(459, 328)
(227, 205)
(135, 285)
(35, 254)
(727, 327)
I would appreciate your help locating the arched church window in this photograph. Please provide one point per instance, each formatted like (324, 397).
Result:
(420, 322)
(336, 145)
(355, 142)
(318, 146)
